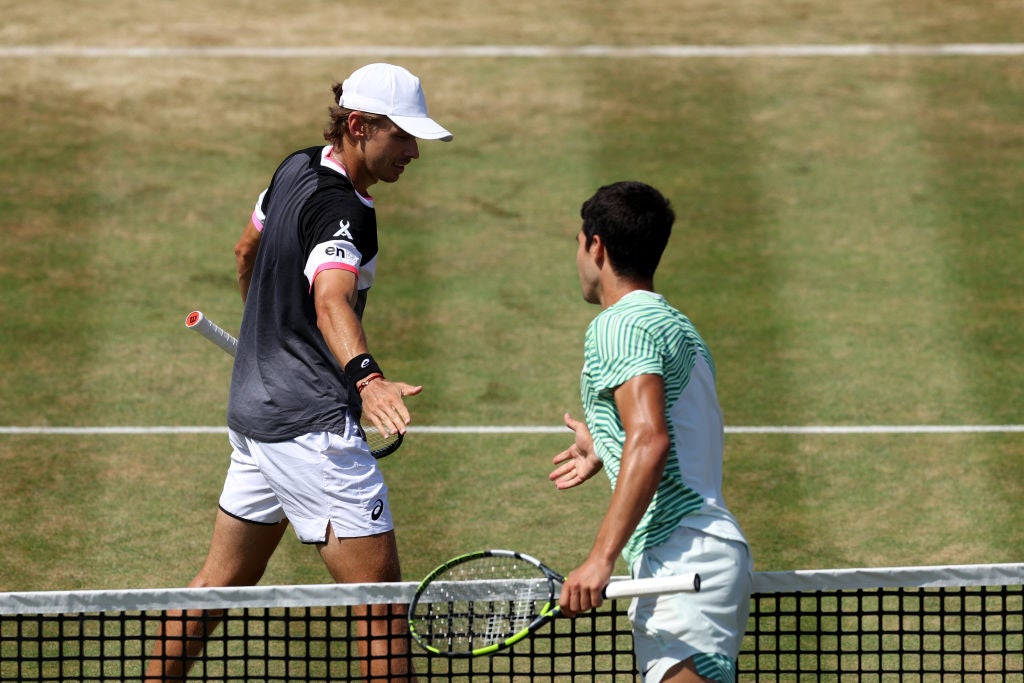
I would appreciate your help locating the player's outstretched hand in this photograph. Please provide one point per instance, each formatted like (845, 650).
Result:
(579, 462)
(383, 403)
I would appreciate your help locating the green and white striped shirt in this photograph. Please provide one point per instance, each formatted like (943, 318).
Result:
(642, 334)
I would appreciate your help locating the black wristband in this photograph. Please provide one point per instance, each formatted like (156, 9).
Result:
(361, 366)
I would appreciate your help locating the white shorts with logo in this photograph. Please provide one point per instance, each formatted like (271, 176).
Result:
(313, 480)
(707, 625)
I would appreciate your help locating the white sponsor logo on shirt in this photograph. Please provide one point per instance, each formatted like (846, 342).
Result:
(343, 232)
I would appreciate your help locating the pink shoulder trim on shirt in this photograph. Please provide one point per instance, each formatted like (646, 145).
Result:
(332, 266)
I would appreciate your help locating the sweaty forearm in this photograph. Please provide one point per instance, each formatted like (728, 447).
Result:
(639, 476)
(342, 330)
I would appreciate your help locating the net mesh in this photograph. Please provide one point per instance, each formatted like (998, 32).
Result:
(917, 624)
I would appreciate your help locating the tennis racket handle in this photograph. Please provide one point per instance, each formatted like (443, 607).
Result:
(212, 331)
(637, 588)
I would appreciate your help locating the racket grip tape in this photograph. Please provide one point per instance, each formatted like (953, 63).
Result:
(688, 583)
(213, 332)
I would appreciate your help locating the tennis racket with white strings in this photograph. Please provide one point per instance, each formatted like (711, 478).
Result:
(482, 602)
(381, 445)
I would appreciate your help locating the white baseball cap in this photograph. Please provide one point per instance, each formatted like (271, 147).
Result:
(393, 91)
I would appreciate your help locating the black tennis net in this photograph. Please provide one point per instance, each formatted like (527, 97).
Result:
(963, 623)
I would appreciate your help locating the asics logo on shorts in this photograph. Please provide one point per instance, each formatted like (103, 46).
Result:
(378, 510)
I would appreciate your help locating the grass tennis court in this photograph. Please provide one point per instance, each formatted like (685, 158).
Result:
(848, 243)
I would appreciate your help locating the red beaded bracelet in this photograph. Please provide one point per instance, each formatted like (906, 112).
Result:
(362, 383)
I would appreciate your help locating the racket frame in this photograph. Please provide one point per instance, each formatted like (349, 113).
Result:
(548, 611)
(620, 588)
(385, 449)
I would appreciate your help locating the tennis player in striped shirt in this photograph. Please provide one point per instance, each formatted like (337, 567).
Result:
(653, 423)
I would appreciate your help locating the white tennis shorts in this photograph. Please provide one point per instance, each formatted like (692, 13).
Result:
(707, 625)
(314, 480)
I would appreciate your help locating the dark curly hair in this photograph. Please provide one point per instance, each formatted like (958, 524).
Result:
(634, 221)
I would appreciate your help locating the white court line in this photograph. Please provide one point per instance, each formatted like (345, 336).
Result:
(527, 51)
(539, 429)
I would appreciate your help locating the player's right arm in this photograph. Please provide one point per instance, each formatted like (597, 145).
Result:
(245, 256)
(641, 405)
(249, 243)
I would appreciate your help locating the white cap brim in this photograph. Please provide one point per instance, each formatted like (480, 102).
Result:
(422, 127)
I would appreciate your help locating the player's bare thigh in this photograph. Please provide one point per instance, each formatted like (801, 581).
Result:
(367, 559)
(239, 552)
